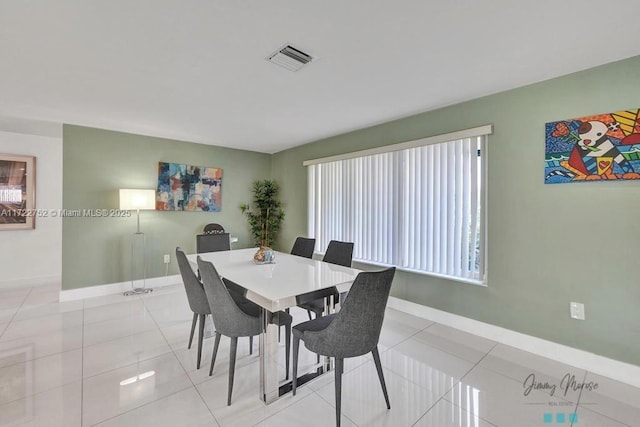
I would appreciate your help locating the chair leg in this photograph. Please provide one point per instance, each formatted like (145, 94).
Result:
(202, 318)
(294, 382)
(339, 369)
(215, 352)
(376, 359)
(287, 346)
(232, 367)
(309, 313)
(286, 310)
(193, 329)
(250, 345)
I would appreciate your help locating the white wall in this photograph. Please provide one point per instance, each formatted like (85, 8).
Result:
(34, 256)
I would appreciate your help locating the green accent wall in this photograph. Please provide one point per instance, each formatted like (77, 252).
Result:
(547, 244)
(97, 163)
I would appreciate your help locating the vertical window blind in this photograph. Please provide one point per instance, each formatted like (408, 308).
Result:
(419, 205)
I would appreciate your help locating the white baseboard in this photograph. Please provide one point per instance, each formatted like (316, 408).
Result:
(115, 288)
(30, 281)
(600, 365)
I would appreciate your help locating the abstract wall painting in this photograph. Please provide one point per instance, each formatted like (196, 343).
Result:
(593, 148)
(188, 188)
(17, 192)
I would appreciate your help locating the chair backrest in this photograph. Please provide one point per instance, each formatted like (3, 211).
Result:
(212, 243)
(356, 328)
(339, 253)
(303, 247)
(228, 319)
(213, 228)
(195, 292)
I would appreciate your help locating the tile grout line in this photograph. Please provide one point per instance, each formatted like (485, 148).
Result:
(4, 330)
(63, 384)
(460, 382)
(115, 369)
(183, 366)
(391, 372)
(173, 351)
(282, 409)
(449, 353)
(516, 379)
(575, 410)
(333, 405)
(158, 356)
(586, 373)
(16, 312)
(408, 379)
(44, 390)
(441, 398)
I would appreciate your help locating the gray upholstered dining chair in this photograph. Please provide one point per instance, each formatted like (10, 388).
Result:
(198, 302)
(230, 319)
(196, 297)
(213, 228)
(339, 253)
(251, 308)
(212, 242)
(352, 332)
(303, 247)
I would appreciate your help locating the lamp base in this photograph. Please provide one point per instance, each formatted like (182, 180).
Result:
(138, 265)
(137, 291)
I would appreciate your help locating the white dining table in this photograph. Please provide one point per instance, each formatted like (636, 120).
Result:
(274, 287)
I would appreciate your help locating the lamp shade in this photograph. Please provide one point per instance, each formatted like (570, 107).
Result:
(131, 199)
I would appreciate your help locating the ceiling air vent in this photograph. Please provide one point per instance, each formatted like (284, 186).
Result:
(290, 58)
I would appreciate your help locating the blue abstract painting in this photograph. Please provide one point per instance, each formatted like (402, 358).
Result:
(188, 188)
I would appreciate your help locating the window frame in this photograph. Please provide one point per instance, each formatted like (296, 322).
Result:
(481, 131)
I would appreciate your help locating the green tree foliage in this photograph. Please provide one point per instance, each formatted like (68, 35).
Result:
(265, 215)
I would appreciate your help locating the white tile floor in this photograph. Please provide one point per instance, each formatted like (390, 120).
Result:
(61, 364)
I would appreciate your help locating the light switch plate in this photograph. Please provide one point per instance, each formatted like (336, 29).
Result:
(576, 310)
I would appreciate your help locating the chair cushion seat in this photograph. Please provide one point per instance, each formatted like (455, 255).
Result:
(280, 318)
(342, 345)
(317, 296)
(316, 306)
(312, 325)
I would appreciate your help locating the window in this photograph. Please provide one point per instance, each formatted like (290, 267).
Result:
(419, 205)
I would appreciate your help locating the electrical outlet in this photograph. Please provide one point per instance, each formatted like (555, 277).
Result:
(167, 258)
(576, 310)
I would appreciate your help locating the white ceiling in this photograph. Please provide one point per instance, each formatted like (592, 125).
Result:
(195, 69)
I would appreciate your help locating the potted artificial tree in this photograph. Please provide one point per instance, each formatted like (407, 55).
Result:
(264, 217)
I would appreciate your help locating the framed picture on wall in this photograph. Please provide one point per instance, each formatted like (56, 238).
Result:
(188, 188)
(17, 192)
(596, 148)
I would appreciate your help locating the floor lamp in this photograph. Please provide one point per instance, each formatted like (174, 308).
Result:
(131, 199)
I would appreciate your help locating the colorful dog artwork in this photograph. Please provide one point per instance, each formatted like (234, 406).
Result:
(593, 148)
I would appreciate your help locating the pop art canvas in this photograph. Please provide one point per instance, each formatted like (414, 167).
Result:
(188, 188)
(593, 148)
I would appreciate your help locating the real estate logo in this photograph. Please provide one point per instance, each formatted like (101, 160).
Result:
(564, 393)
(560, 417)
